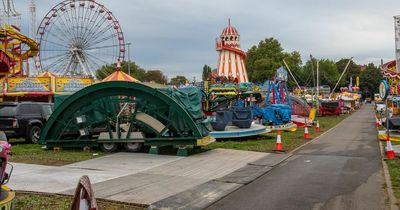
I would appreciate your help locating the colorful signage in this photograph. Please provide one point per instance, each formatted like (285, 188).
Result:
(28, 84)
(281, 74)
(384, 89)
(71, 84)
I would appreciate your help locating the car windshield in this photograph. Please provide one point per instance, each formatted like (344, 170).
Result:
(47, 110)
(7, 111)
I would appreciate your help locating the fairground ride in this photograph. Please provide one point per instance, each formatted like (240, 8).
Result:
(15, 48)
(76, 38)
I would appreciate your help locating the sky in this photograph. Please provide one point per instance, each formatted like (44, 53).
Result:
(178, 36)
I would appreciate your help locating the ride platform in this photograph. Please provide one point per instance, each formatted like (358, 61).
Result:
(394, 135)
(301, 122)
(291, 127)
(235, 132)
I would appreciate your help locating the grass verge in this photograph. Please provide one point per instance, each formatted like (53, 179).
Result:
(44, 201)
(34, 154)
(394, 171)
(290, 140)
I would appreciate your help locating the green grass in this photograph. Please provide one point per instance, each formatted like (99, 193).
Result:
(290, 140)
(394, 171)
(34, 154)
(44, 201)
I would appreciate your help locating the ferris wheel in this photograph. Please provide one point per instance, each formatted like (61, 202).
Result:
(78, 37)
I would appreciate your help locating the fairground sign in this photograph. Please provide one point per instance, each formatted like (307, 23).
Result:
(71, 84)
(28, 84)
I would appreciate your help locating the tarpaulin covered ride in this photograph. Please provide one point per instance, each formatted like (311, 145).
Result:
(240, 117)
(111, 114)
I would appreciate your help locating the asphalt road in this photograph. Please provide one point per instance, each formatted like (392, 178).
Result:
(340, 170)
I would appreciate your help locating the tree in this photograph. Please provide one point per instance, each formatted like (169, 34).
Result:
(328, 73)
(263, 60)
(353, 71)
(370, 79)
(136, 71)
(156, 76)
(178, 80)
(206, 72)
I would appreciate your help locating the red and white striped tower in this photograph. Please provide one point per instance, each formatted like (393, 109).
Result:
(231, 57)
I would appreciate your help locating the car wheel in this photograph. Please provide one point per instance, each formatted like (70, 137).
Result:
(34, 134)
(133, 146)
(108, 147)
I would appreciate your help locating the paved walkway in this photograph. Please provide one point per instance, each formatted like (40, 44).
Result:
(133, 177)
(340, 170)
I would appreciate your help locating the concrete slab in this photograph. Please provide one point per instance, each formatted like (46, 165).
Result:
(125, 162)
(51, 179)
(56, 179)
(135, 178)
(198, 197)
(141, 188)
(271, 159)
(208, 165)
(169, 179)
(245, 174)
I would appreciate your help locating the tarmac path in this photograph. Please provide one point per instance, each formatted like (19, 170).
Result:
(340, 170)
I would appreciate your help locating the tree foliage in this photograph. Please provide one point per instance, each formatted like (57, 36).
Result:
(265, 58)
(328, 73)
(178, 80)
(206, 72)
(370, 79)
(156, 76)
(136, 71)
(353, 71)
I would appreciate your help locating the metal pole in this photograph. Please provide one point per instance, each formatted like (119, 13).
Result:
(318, 87)
(312, 70)
(291, 74)
(344, 71)
(129, 58)
(387, 121)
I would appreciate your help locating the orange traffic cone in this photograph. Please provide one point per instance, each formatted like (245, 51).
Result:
(317, 128)
(306, 136)
(377, 124)
(389, 149)
(278, 145)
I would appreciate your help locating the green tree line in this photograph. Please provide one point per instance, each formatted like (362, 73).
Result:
(264, 59)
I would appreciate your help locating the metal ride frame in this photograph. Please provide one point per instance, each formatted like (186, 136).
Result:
(147, 100)
(77, 37)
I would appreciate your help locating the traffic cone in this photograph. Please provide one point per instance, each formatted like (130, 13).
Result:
(377, 124)
(278, 145)
(389, 149)
(306, 136)
(317, 128)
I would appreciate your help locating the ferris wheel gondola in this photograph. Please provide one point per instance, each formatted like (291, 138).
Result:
(78, 37)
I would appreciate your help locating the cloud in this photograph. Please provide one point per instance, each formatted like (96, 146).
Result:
(178, 36)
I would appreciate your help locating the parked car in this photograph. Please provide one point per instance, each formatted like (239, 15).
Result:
(24, 119)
